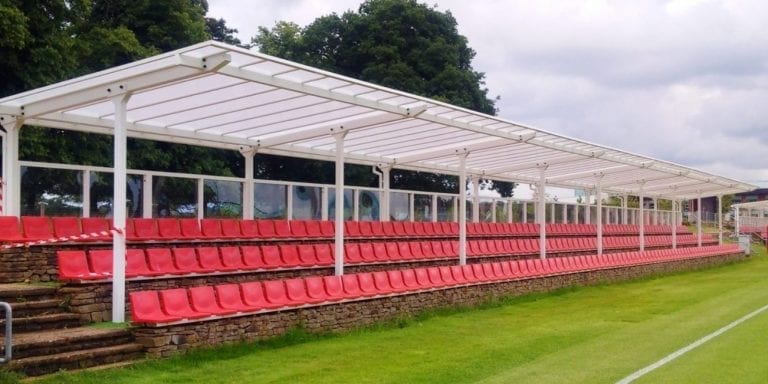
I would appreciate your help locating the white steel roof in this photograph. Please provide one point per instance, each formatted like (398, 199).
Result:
(218, 95)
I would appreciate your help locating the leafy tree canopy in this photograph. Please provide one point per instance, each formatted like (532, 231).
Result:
(400, 44)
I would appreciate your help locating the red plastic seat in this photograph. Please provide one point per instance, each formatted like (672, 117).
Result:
(253, 296)
(100, 261)
(396, 281)
(290, 255)
(381, 282)
(144, 230)
(388, 228)
(313, 228)
(415, 248)
(479, 273)
(185, 260)
(351, 286)
(203, 299)
(232, 259)
(409, 280)
(399, 229)
(435, 277)
(37, 228)
(299, 229)
(409, 228)
(230, 297)
(377, 229)
(458, 275)
(282, 228)
(393, 251)
(367, 285)
(307, 255)
(136, 264)
(333, 287)
(365, 229)
(324, 254)
(404, 249)
(190, 229)
(366, 252)
(210, 259)
(159, 260)
(67, 227)
(352, 253)
(249, 229)
(169, 228)
(380, 252)
(352, 229)
(296, 290)
(316, 289)
(418, 229)
(211, 228)
(73, 265)
(252, 256)
(447, 276)
(146, 308)
(230, 228)
(266, 228)
(275, 293)
(426, 249)
(327, 228)
(176, 303)
(10, 231)
(469, 273)
(422, 277)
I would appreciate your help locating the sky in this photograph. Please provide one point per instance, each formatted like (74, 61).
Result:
(684, 81)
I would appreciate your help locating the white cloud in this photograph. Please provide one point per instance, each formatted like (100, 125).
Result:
(683, 80)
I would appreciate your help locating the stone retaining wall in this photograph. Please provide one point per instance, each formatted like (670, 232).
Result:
(163, 341)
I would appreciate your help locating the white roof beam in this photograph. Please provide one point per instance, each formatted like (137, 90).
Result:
(634, 181)
(592, 172)
(173, 71)
(452, 150)
(537, 164)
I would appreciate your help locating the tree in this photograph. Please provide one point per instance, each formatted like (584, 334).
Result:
(400, 44)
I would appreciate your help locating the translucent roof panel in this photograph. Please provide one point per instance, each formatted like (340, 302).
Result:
(222, 96)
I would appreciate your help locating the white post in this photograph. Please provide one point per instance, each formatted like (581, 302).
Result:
(524, 212)
(475, 198)
(86, 193)
(200, 198)
(11, 170)
(599, 197)
(738, 219)
(355, 205)
(576, 213)
(289, 202)
(248, 199)
(674, 224)
(493, 210)
(385, 193)
(655, 211)
(324, 204)
(542, 219)
(588, 208)
(509, 211)
(624, 210)
(463, 209)
(434, 209)
(698, 219)
(720, 219)
(641, 212)
(146, 196)
(411, 207)
(118, 208)
(339, 214)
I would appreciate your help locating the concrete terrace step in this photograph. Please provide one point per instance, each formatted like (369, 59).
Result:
(36, 308)
(46, 321)
(42, 365)
(17, 292)
(54, 341)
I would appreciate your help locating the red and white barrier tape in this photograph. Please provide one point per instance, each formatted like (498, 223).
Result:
(84, 236)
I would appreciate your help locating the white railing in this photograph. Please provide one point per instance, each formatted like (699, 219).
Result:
(87, 192)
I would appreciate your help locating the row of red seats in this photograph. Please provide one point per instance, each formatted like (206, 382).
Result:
(35, 228)
(212, 302)
(629, 229)
(97, 264)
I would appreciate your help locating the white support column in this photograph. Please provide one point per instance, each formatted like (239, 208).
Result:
(11, 170)
(118, 208)
(542, 220)
(588, 208)
(738, 221)
(86, 193)
(720, 219)
(599, 198)
(475, 198)
(463, 209)
(339, 214)
(674, 224)
(248, 198)
(655, 211)
(385, 192)
(698, 219)
(641, 212)
(576, 213)
(524, 212)
(624, 211)
(200, 198)
(434, 209)
(324, 204)
(411, 207)
(509, 210)
(493, 210)
(289, 202)
(148, 202)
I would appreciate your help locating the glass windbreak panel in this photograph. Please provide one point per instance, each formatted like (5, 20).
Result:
(102, 192)
(531, 212)
(51, 192)
(422, 207)
(550, 214)
(571, 214)
(174, 197)
(369, 204)
(306, 202)
(223, 198)
(269, 201)
(348, 204)
(445, 208)
(470, 205)
(486, 210)
(502, 212)
(559, 217)
(399, 206)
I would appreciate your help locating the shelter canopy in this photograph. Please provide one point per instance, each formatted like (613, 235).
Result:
(218, 95)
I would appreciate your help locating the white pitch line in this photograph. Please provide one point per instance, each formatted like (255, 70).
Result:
(674, 355)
